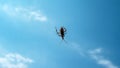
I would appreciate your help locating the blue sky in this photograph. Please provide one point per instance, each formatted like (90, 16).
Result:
(28, 38)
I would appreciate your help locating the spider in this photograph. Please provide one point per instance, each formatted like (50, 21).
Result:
(61, 32)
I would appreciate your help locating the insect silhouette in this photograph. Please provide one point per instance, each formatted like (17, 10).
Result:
(61, 32)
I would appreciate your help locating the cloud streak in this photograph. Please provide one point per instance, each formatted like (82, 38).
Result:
(24, 13)
(13, 60)
(76, 47)
(95, 54)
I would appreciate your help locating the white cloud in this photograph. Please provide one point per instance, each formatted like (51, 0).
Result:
(77, 48)
(24, 13)
(95, 54)
(38, 16)
(12, 60)
(8, 10)
(96, 51)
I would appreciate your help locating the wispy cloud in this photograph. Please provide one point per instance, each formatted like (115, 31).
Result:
(76, 47)
(24, 13)
(96, 55)
(13, 60)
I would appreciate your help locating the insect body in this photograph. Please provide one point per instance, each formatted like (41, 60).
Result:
(61, 32)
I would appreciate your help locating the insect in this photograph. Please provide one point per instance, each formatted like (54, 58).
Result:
(61, 32)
